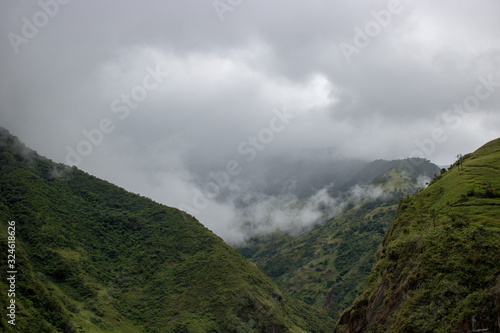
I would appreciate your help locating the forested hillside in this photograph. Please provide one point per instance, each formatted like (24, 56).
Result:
(327, 267)
(91, 257)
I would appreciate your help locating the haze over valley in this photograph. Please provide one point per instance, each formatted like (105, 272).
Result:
(250, 166)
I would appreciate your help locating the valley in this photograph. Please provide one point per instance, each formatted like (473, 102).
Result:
(401, 251)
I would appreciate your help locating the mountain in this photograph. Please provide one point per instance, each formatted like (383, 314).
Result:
(305, 172)
(301, 173)
(327, 266)
(410, 173)
(92, 257)
(438, 269)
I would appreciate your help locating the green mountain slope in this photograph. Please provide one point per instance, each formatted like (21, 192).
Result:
(407, 172)
(91, 257)
(327, 267)
(439, 266)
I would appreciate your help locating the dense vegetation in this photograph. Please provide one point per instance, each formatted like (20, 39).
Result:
(92, 257)
(327, 267)
(439, 265)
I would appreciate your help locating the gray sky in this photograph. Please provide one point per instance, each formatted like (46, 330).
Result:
(169, 91)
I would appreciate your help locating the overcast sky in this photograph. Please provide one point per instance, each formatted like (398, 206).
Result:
(169, 91)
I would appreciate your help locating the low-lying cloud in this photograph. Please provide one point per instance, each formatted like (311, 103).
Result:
(359, 193)
(264, 214)
(254, 214)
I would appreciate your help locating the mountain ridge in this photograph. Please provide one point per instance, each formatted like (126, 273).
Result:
(438, 269)
(93, 257)
(326, 266)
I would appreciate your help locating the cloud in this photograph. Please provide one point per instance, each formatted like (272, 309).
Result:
(423, 181)
(263, 214)
(225, 78)
(359, 193)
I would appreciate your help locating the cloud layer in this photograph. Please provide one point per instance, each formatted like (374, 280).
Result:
(166, 92)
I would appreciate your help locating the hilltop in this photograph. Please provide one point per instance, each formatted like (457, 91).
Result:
(92, 257)
(438, 269)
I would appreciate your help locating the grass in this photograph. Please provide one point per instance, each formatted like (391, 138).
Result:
(438, 265)
(328, 266)
(95, 258)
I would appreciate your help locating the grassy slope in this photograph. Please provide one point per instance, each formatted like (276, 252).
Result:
(92, 257)
(328, 266)
(439, 264)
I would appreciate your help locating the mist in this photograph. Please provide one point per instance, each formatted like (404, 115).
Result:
(268, 104)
